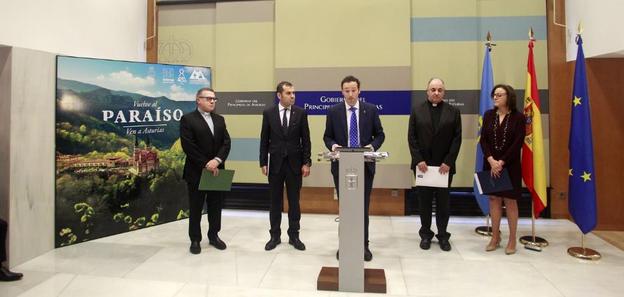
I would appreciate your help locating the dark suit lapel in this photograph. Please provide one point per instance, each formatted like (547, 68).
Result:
(202, 122)
(343, 120)
(275, 118)
(292, 121)
(363, 122)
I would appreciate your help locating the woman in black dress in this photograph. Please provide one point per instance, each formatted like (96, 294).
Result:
(502, 135)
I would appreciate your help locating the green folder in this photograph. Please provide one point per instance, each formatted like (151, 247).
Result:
(221, 182)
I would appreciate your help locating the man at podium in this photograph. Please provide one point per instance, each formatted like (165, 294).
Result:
(363, 129)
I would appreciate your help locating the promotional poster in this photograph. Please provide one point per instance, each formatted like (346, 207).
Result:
(118, 155)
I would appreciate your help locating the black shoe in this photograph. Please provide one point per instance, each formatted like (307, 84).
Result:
(445, 245)
(7, 275)
(217, 243)
(273, 242)
(296, 242)
(367, 255)
(425, 243)
(195, 247)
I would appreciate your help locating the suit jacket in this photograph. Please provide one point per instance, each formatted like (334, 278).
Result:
(434, 147)
(202, 145)
(371, 131)
(294, 144)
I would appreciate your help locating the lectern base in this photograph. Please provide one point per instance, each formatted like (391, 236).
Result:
(374, 280)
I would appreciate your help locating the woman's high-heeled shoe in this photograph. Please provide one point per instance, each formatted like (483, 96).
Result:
(493, 245)
(510, 251)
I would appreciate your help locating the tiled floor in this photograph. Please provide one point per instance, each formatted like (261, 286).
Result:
(155, 262)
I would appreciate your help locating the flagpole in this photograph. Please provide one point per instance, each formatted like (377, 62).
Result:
(532, 151)
(584, 253)
(582, 187)
(532, 242)
(487, 229)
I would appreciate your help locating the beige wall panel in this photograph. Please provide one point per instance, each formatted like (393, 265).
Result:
(471, 8)
(455, 62)
(327, 33)
(509, 63)
(443, 8)
(460, 63)
(244, 57)
(246, 171)
(243, 126)
(510, 7)
(187, 45)
(245, 11)
(328, 78)
(186, 14)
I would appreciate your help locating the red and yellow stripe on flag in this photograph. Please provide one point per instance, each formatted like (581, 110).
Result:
(533, 164)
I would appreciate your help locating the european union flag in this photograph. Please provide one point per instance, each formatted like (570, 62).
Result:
(485, 104)
(582, 180)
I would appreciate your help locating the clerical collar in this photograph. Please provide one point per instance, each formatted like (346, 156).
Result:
(435, 104)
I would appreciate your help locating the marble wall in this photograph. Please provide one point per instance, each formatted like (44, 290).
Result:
(29, 172)
(5, 131)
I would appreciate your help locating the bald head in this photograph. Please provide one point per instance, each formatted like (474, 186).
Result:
(435, 90)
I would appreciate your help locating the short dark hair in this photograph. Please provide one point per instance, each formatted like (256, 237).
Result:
(281, 85)
(511, 96)
(204, 89)
(348, 79)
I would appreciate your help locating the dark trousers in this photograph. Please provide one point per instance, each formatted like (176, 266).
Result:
(197, 198)
(3, 235)
(425, 197)
(368, 187)
(293, 182)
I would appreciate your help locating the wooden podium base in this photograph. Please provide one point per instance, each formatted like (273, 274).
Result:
(374, 280)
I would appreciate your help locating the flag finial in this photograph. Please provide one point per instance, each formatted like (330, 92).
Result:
(489, 44)
(579, 28)
(531, 34)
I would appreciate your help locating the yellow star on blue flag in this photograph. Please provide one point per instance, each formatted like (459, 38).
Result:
(577, 101)
(586, 176)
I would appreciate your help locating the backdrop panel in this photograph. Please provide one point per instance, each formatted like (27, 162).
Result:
(118, 156)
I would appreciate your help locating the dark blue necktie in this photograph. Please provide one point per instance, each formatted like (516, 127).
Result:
(285, 121)
(353, 130)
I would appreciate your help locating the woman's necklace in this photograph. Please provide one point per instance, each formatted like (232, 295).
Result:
(496, 125)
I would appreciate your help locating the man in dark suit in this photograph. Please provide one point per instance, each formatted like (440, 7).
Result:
(354, 123)
(434, 136)
(285, 151)
(6, 275)
(206, 143)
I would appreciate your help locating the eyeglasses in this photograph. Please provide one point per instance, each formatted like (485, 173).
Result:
(499, 94)
(210, 99)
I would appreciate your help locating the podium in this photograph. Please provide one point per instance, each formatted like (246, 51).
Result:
(350, 275)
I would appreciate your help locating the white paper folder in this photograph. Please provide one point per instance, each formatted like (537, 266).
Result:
(431, 178)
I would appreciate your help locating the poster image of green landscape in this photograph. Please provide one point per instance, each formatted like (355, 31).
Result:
(118, 155)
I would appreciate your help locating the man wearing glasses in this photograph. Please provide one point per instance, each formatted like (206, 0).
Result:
(206, 143)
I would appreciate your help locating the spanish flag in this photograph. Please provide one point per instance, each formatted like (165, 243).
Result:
(533, 165)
